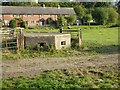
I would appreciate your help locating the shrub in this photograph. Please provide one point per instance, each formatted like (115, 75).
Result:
(23, 24)
(13, 23)
(49, 21)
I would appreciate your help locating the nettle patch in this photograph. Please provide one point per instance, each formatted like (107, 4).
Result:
(67, 78)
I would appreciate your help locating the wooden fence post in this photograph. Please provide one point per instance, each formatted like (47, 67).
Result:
(18, 46)
(21, 39)
(6, 43)
(61, 29)
(80, 37)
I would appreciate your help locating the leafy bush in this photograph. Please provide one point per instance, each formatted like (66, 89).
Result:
(49, 21)
(24, 25)
(13, 23)
(21, 22)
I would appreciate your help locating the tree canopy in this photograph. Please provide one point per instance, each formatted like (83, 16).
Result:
(71, 19)
(100, 15)
(112, 16)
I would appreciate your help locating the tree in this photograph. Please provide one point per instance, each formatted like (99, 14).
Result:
(49, 21)
(89, 5)
(23, 25)
(71, 19)
(61, 21)
(103, 4)
(80, 12)
(112, 16)
(100, 15)
(13, 23)
(88, 18)
(118, 21)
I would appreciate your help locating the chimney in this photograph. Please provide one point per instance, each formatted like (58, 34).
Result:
(58, 6)
(43, 5)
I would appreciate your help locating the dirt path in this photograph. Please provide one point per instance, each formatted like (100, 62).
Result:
(30, 67)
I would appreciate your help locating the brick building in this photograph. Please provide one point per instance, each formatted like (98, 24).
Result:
(33, 16)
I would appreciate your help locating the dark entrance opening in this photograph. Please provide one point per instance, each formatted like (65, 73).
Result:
(43, 46)
(43, 21)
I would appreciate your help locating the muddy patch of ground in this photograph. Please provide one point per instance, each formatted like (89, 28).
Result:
(31, 67)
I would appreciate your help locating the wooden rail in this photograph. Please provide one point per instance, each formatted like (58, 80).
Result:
(9, 42)
(71, 31)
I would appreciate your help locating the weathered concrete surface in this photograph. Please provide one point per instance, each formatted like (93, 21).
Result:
(55, 39)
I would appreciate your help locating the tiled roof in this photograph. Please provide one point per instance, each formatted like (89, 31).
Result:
(36, 10)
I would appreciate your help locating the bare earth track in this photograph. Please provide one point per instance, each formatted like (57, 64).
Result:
(31, 67)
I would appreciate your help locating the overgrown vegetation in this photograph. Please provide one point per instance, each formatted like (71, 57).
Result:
(13, 24)
(68, 79)
(17, 22)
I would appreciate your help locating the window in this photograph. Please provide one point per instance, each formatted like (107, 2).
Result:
(37, 21)
(63, 42)
(32, 21)
(26, 22)
(42, 44)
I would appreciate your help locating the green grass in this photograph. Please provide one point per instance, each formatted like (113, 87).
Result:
(41, 29)
(66, 78)
(85, 27)
(95, 41)
(104, 40)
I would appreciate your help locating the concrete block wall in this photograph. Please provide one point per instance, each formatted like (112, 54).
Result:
(59, 41)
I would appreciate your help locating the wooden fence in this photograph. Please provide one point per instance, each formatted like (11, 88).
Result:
(8, 42)
(11, 40)
(75, 34)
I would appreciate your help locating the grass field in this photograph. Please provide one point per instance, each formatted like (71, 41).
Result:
(95, 41)
(102, 41)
